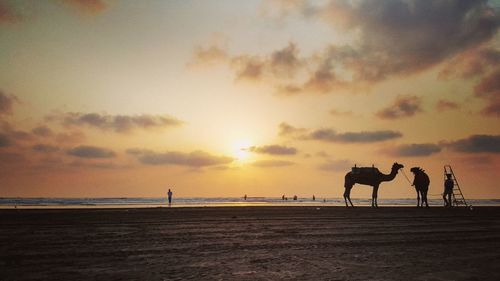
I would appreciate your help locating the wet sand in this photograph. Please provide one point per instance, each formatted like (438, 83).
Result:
(251, 243)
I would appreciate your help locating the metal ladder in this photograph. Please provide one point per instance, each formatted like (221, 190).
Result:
(458, 196)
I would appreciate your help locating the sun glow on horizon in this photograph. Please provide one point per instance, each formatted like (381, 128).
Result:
(241, 150)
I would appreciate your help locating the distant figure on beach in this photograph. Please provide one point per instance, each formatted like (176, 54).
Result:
(169, 194)
(448, 190)
(245, 197)
(368, 176)
(295, 197)
(283, 197)
(421, 183)
(314, 198)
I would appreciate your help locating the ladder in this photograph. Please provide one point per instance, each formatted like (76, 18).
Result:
(458, 196)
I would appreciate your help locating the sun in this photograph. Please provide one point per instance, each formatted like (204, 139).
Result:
(241, 150)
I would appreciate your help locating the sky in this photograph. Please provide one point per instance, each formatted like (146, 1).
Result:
(224, 98)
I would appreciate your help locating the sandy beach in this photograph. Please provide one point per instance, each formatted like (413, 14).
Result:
(251, 243)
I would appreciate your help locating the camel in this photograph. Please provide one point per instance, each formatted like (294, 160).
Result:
(368, 176)
(421, 184)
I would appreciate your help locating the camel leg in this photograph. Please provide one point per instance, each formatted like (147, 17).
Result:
(346, 193)
(424, 199)
(347, 196)
(418, 198)
(374, 196)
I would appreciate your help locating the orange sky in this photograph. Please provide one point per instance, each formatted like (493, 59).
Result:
(225, 98)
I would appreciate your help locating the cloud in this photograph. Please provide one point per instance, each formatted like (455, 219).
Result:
(116, 123)
(492, 109)
(90, 7)
(443, 105)
(285, 62)
(471, 63)
(273, 150)
(476, 144)
(403, 106)
(86, 151)
(42, 131)
(489, 90)
(209, 55)
(336, 165)
(195, 159)
(404, 37)
(414, 150)
(4, 140)
(8, 15)
(330, 135)
(45, 148)
(395, 38)
(248, 67)
(6, 103)
(272, 163)
(289, 130)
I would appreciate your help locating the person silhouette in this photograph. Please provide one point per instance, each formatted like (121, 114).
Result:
(245, 197)
(448, 191)
(169, 194)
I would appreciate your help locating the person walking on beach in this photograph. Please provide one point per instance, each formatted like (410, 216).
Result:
(169, 194)
(448, 190)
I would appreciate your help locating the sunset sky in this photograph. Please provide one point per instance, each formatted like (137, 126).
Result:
(260, 97)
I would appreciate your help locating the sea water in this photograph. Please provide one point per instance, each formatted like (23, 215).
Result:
(212, 201)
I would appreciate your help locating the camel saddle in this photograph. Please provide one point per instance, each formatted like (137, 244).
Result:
(364, 170)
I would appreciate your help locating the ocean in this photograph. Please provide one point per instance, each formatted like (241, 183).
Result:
(211, 202)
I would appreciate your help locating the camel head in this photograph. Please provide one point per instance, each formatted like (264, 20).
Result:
(416, 170)
(396, 166)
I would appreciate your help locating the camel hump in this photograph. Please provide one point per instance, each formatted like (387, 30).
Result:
(364, 170)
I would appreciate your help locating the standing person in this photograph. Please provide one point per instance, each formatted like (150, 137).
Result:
(245, 197)
(169, 193)
(314, 198)
(448, 190)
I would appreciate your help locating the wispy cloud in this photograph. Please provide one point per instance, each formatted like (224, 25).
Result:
(476, 144)
(116, 123)
(489, 89)
(403, 106)
(330, 135)
(194, 159)
(7, 103)
(274, 149)
(87, 151)
(413, 150)
(42, 131)
(443, 105)
(45, 148)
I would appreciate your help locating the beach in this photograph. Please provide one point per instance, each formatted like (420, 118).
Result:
(251, 243)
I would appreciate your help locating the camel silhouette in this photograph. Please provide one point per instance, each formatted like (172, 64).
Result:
(368, 176)
(421, 184)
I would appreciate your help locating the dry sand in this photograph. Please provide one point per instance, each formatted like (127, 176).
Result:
(251, 243)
